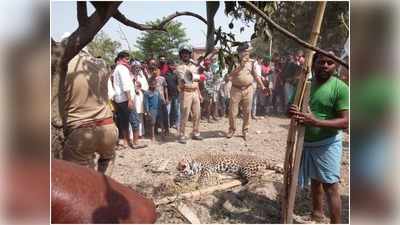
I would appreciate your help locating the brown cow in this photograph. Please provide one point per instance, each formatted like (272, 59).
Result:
(82, 195)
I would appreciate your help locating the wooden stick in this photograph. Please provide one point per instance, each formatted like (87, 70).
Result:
(287, 168)
(290, 160)
(204, 191)
(296, 132)
(186, 212)
(290, 147)
(298, 150)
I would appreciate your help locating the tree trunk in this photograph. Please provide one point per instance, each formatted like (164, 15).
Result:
(212, 8)
(57, 80)
(61, 54)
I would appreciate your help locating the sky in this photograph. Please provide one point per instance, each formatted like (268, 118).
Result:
(63, 19)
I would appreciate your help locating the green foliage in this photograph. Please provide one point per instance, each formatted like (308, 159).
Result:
(154, 43)
(104, 47)
(226, 55)
(297, 17)
(137, 55)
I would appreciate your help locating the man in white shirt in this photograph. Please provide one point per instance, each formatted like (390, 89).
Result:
(124, 97)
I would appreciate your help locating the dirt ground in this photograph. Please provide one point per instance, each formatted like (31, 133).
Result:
(256, 202)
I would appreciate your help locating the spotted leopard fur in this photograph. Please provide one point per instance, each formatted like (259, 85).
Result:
(245, 166)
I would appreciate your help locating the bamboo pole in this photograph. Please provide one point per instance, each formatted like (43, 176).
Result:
(296, 159)
(296, 132)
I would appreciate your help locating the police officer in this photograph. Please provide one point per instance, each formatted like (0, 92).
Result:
(89, 122)
(242, 90)
(190, 98)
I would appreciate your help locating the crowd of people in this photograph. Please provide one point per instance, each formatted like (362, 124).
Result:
(151, 97)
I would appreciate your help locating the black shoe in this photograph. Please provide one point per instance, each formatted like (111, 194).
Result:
(197, 137)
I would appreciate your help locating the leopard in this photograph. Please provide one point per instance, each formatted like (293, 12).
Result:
(244, 166)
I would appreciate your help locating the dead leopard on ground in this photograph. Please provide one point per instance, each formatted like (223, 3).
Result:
(245, 166)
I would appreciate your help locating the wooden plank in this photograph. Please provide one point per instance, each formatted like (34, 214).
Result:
(187, 213)
(162, 168)
(197, 193)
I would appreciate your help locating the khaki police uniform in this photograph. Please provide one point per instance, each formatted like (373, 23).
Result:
(241, 94)
(90, 127)
(189, 98)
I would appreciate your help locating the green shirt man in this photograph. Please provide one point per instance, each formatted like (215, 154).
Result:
(326, 101)
(322, 151)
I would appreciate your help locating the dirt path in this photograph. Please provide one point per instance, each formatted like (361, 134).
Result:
(254, 203)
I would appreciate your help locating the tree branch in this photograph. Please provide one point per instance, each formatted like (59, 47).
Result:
(121, 18)
(143, 27)
(294, 37)
(84, 34)
(185, 13)
(123, 37)
(82, 13)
